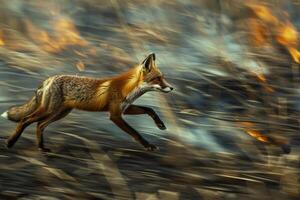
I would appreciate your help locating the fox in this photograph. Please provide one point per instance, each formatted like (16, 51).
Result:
(60, 94)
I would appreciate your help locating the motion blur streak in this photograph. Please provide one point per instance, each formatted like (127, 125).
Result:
(231, 121)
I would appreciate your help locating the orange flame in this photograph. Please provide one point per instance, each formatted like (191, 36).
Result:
(263, 13)
(65, 34)
(249, 129)
(1, 39)
(288, 37)
(275, 140)
(258, 35)
(295, 54)
(257, 135)
(285, 32)
(261, 77)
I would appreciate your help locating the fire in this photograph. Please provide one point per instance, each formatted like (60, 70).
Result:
(295, 54)
(263, 13)
(284, 31)
(68, 34)
(249, 129)
(258, 35)
(261, 77)
(1, 39)
(257, 135)
(288, 37)
(287, 34)
(64, 35)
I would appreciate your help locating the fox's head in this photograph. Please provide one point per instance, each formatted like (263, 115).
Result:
(153, 78)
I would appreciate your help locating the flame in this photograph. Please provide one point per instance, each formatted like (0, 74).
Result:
(257, 135)
(287, 34)
(259, 36)
(249, 129)
(295, 54)
(263, 13)
(68, 34)
(284, 31)
(261, 77)
(275, 140)
(288, 37)
(2, 43)
(64, 35)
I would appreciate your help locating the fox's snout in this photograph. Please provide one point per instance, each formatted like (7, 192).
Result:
(166, 87)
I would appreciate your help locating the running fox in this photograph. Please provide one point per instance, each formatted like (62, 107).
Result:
(59, 95)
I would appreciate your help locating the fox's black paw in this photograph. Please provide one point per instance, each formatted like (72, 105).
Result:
(161, 126)
(9, 143)
(151, 147)
(44, 150)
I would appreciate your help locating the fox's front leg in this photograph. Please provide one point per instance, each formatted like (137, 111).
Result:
(139, 110)
(122, 124)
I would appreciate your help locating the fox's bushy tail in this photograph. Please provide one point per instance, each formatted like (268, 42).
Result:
(17, 113)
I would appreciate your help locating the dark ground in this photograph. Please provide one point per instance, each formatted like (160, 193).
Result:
(94, 165)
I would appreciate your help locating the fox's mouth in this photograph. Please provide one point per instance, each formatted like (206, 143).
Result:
(167, 89)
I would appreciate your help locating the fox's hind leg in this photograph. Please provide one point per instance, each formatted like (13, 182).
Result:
(35, 116)
(45, 122)
(50, 102)
(139, 110)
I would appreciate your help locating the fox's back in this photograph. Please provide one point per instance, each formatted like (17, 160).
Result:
(80, 92)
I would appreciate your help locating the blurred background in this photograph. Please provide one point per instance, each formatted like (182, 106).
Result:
(235, 68)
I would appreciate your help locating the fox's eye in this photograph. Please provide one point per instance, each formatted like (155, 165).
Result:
(156, 79)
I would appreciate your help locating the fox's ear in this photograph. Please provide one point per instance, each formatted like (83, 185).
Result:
(147, 63)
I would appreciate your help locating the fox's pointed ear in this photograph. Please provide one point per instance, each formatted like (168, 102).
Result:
(147, 63)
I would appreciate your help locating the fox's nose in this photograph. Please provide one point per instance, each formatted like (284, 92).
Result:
(171, 88)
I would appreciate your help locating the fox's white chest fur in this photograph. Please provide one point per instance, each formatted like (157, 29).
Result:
(134, 94)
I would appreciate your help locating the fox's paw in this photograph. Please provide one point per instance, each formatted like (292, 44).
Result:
(161, 125)
(44, 150)
(9, 143)
(151, 147)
